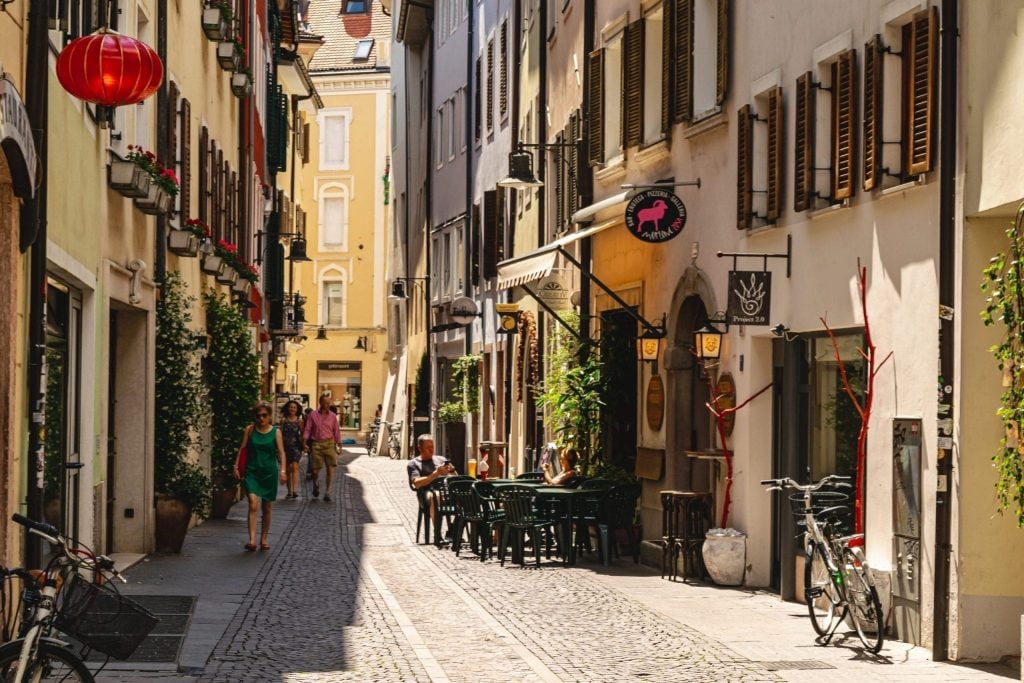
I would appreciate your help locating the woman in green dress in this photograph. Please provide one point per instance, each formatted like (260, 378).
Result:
(265, 467)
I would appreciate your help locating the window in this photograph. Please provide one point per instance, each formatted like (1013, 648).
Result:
(355, 6)
(334, 218)
(900, 89)
(503, 72)
(453, 124)
(493, 232)
(655, 76)
(334, 303)
(440, 137)
(612, 99)
(834, 422)
(477, 106)
(363, 48)
(490, 85)
(700, 58)
(759, 159)
(334, 134)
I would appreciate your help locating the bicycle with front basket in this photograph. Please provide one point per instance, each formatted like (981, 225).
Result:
(71, 596)
(837, 579)
(394, 439)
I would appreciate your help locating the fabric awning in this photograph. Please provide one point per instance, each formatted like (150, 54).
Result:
(537, 264)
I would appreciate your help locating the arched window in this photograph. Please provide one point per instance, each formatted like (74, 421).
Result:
(333, 297)
(334, 218)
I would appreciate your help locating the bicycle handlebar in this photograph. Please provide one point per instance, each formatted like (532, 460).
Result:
(41, 528)
(787, 482)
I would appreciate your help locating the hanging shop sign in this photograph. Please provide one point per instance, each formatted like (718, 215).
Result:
(750, 297)
(655, 403)
(16, 140)
(553, 291)
(508, 318)
(725, 389)
(655, 216)
(463, 310)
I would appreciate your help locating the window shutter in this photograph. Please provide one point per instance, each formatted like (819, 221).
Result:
(873, 88)
(300, 144)
(633, 84)
(919, 119)
(682, 64)
(172, 137)
(744, 167)
(233, 203)
(595, 102)
(803, 154)
(501, 211)
(490, 264)
(776, 122)
(204, 143)
(722, 75)
(844, 132)
(215, 168)
(490, 85)
(477, 114)
(305, 142)
(503, 71)
(573, 180)
(559, 157)
(185, 201)
(474, 245)
(666, 68)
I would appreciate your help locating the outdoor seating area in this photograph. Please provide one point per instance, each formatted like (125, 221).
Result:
(514, 518)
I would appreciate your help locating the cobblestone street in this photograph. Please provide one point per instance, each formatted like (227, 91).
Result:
(345, 595)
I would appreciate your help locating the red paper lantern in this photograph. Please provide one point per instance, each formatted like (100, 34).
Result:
(109, 69)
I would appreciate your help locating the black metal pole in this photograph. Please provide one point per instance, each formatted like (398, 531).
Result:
(164, 124)
(947, 293)
(33, 221)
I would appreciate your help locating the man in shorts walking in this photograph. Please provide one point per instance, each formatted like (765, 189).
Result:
(323, 430)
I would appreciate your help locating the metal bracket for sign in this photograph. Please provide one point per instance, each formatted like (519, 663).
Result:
(788, 256)
(655, 186)
(551, 311)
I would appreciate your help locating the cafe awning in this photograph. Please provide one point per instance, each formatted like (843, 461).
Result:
(537, 264)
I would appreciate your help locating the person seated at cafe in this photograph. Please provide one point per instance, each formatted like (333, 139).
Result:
(568, 459)
(425, 469)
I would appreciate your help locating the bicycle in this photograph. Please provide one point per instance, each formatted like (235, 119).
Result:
(394, 439)
(837, 579)
(69, 596)
(371, 438)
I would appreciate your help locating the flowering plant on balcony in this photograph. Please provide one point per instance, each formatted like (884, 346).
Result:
(247, 271)
(161, 176)
(227, 251)
(167, 180)
(198, 228)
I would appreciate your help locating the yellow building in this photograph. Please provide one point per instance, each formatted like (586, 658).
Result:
(344, 188)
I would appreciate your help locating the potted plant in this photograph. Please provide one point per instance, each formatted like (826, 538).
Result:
(163, 187)
(233, 387)
(452, 415)
(248, 275)
(228, 254)
(217, 20)
(130, 176)
(230, 54)
(185, 241)
(241, 83)
(182, 489)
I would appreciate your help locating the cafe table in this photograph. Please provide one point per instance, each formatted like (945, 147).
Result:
(568, 499)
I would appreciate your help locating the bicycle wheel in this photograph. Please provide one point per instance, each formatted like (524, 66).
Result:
(394, 449)
(52, 663)
(865, 607)
(820, 593)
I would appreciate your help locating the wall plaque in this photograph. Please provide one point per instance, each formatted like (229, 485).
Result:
(655, 403)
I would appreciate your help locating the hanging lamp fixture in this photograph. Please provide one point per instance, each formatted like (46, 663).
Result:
(109, 69)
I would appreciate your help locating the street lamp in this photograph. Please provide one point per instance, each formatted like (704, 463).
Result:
(321, 333)
(520, 172)
(648, 346)
(708, 342)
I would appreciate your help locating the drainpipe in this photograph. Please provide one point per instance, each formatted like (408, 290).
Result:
(586, 179)
(33, 222)
(468, 266)
(163, 126)
(947, 292)
(428, 216)
(517, 23)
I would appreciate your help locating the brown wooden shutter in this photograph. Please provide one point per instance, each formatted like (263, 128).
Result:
(595, 102)
(560, 189)
(873, 88)
(803, 153)
(776, 124)
(501, 213)
(204, 176)
(490, 85)
(474, 245)
(573, 170)
(633, 85)
(844, 132)
(477, 113)
(666, 68)
(919, 117)
(744, 166)
(217, 158)
(503, 71)
(490, 255)
(233, 203)
(722, 72)
(682, 62)
(172, 138)
(305, 142)
(185, 203)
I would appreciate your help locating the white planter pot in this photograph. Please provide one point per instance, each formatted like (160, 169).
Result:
(212, 264)
(156, 202)
(241, 286)
(725, 558)
(128, 178)
(227, 56)
(228, 276)
(182, 242)
(241, 84)
(214, 25)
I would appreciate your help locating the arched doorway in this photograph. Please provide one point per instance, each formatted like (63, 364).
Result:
(689, 426)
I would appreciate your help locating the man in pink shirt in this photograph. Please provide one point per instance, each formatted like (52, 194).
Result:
(323, 429)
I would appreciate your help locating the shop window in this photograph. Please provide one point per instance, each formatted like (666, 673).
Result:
(834, 422)
(342, 382)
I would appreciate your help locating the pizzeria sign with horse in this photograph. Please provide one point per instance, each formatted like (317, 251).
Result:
(655, 216)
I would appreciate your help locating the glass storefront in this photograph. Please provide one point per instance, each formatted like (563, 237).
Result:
(342, 381)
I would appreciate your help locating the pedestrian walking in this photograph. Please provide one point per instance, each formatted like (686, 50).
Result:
(323, 429)
(264, 468)
(293, 425)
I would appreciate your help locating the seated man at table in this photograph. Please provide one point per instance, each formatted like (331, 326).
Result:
(425, 469)
(567, 477)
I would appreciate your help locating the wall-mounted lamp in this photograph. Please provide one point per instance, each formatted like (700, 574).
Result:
(648, 346)
(362, 343)
(298, 251)
(708, 342)
(321, 333)
(520, 172)
(399, 288)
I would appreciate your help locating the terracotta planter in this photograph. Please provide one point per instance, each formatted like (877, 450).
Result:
(725, 558)
(156, 202)
(128, 178)
(172, 520)
(215, 26)
(182, 243)
(222, 502)
(228, 276)
(228, 56)
(212, 264)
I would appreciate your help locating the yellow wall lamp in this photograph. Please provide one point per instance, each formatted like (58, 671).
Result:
(648, 344)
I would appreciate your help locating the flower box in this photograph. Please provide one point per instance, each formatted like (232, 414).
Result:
(212, 264)
(228, 55)
(241, 286)
(241, 84)
(228, 276)
(128, 178)
(215, 24)
(182, 242)
(156, 202)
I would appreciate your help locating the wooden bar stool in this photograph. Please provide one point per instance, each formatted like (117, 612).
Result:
(670, 528)
(695, 517)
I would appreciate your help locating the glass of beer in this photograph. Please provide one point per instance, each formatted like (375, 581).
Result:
(471, 467)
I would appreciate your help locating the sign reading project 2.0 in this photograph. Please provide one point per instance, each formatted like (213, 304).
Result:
(655, 216)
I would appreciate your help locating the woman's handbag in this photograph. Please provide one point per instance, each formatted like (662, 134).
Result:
(243, 454)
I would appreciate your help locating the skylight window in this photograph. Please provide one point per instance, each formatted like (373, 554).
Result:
(363, 48)
(354, 6)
